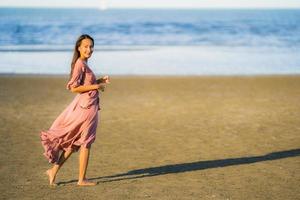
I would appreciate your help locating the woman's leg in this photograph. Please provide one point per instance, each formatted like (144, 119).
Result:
(83, 163)
(54, 170)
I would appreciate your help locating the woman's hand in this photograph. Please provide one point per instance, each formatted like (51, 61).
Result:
(104, 79)
(101, 82)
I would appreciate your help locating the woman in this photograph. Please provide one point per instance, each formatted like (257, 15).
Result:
(76, 126)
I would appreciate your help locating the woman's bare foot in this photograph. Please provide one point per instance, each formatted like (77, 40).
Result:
(51, 177)
(85, 182)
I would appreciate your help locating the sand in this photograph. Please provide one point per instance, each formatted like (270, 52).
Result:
(160, 138)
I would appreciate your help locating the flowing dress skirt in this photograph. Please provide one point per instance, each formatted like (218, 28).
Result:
(74, 127)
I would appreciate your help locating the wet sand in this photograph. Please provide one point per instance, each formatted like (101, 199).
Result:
(160, 138)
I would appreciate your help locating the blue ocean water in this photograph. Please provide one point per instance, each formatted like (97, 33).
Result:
(150, 27)
(231, 38)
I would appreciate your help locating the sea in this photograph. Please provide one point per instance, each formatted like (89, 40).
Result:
(152, 41)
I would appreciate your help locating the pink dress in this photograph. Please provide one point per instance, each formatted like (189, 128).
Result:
(76, 125)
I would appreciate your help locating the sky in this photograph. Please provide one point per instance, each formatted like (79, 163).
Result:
(154, 3)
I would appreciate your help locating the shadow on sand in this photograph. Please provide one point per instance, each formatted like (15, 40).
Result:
(193, 166)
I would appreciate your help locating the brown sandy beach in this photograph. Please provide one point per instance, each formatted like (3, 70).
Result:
(160, 138)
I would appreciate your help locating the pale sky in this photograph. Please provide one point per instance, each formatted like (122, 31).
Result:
(154, 3)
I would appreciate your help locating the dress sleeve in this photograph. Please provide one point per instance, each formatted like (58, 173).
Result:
(77, 76)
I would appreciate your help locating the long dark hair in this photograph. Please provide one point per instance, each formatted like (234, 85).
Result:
(76, 53)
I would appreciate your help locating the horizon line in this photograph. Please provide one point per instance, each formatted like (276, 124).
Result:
(150, 8)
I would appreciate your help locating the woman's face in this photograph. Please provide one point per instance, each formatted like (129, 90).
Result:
(86, 48)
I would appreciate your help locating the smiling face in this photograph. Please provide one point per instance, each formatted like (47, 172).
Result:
(86, 48)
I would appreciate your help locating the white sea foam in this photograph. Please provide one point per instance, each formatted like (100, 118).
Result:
(159, 60)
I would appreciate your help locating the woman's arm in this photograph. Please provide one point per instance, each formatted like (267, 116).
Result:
(86, 88)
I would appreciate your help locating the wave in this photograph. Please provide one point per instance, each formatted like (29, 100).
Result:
(154, 27)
